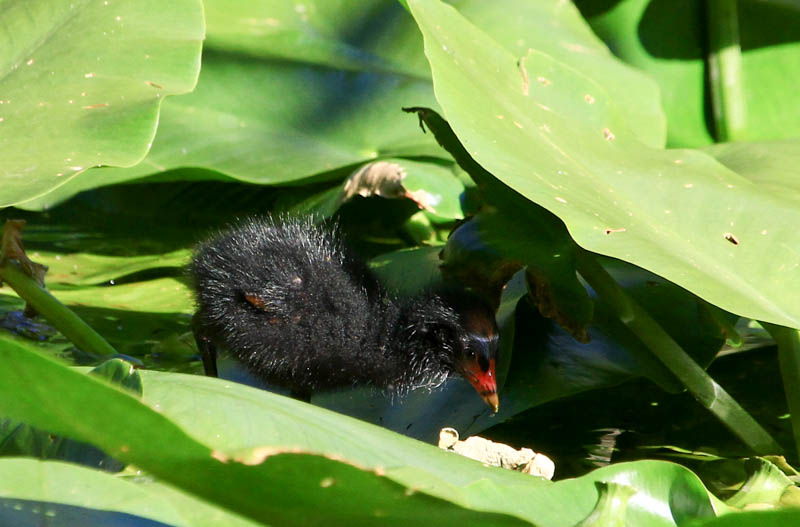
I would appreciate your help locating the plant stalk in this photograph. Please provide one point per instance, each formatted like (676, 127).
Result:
(59, 315)
(724, 64)
(788, 341)
(710, 394)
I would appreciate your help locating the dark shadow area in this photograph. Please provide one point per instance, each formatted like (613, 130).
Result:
(160, 341)
(153, 218)
(19, 439)
(673, 29)
(637, 420)
(593, 8)
(677, 29)
(142, 218)
(763, 24)
(28, 513)
(330, 97)
(375, 19)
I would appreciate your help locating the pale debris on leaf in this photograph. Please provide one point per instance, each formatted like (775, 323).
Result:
(497, 454)
(376, 179)
(384, 179)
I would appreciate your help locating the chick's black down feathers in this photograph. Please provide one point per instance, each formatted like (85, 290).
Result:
(289, 300)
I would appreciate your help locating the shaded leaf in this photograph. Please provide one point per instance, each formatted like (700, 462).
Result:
(119, 373)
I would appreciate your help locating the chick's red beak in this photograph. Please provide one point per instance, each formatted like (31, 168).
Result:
(484, 382)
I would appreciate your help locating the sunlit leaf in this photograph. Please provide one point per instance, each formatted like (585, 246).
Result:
(82, 83)
(677, 213)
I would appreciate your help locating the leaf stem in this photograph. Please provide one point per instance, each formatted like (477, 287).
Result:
(725, 70)
(710, 394)
(788, 341)
(59, 315)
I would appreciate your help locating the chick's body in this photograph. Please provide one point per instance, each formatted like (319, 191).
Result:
(289, 300)
(290, 303)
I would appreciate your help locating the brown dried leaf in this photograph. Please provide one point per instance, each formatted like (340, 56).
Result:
(384, 179)
(11, 245)
(11, 248)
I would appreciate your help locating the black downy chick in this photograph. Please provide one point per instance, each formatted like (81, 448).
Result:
(299, 310)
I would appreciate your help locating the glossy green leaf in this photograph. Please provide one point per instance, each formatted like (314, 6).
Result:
(255, 420)
(163, 295)
(375, 34)
(677, 213)
(82, 83)
(558, 29)
(289, 132)
(551, 258)
(20, 439)
(611, 506)
(765, 485)
(120, 373)
(330, 88)
(272, 458)
(95, 269)
(282, 480)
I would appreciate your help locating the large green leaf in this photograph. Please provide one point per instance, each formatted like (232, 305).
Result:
(288, 93)
(82, 83)
(557, 29)
(283, 482)
(677, 213)
(95, 269)
(164, 295)
(274, 459)
(268, 120)
(19, 439)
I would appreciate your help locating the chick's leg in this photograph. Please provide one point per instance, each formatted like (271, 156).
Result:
(207, 349)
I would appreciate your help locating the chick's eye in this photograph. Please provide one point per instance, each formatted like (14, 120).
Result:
(484, 364)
